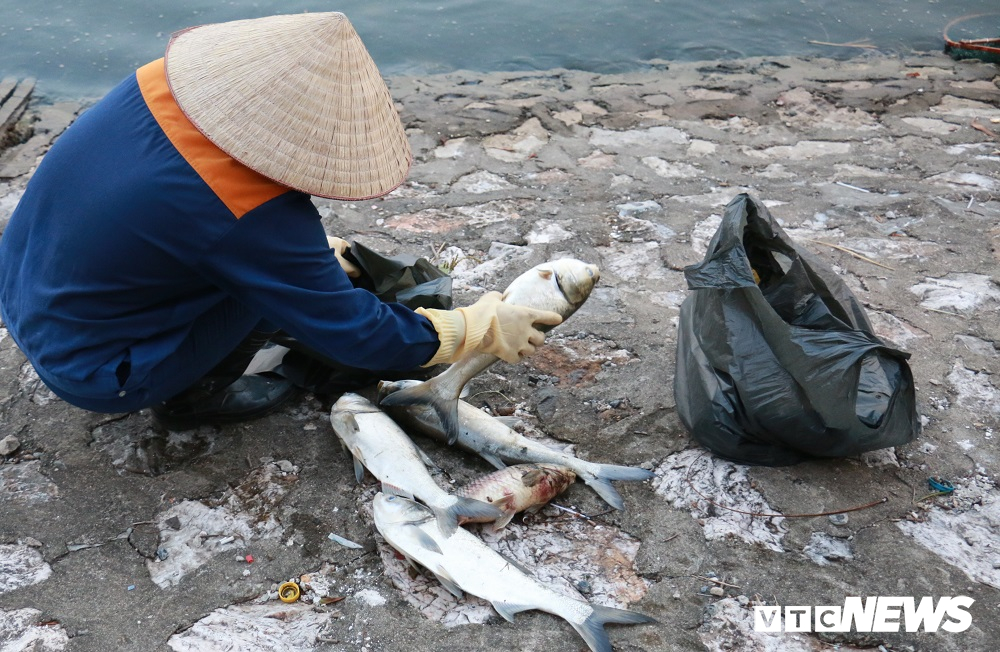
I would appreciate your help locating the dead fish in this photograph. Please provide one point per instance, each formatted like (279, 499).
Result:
(518, 488)
(463, 563)
(499, 444)
(560, 286)
(379, 445)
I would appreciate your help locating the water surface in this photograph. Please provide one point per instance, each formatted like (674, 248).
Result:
(81, 49)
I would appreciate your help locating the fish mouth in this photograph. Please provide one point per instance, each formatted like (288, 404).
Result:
(576, 287)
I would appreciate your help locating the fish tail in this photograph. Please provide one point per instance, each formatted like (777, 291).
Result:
(599, 479)
(467, 508)
(437, 397)
(592, 629)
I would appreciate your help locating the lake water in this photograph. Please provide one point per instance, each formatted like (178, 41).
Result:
(81, 48)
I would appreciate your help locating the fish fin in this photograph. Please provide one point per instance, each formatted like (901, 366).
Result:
(426, 393)
(427, 542)
(474, 509)
(600, 481)
(494, 460)
(343, 421)
(442, 575)
(502, 522)
(605, 490)
(396, 491)
(532, 477)
(628, 473)
(592, 629)
(428, 462)
(447, 411)
(516, 564)
(447, 520)
(508, 609)
(510, 422)
(359, 470)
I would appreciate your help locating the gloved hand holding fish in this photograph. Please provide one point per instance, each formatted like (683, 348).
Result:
(379, 445)
(498, 444)
(560, 286)
(462, 562)
(518, 488)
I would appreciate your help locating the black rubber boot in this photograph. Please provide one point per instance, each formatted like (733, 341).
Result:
(225, 395)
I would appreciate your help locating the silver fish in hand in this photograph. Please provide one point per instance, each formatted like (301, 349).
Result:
(561, 286)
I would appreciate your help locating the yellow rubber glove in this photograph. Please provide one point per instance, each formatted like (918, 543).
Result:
(339, 246)
(489, 326)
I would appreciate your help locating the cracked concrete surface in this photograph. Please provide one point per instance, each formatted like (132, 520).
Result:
(114, 536)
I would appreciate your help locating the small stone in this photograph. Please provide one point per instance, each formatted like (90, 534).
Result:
(285, 466)
(32, 542)
(173, 523)
(9, 444)
(838, 519)
(677, 595)
(162, 553)
(717, 591)
(583, 586)
(743, 600)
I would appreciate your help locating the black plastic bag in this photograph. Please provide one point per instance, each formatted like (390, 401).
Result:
(787, 369)
(406, 279)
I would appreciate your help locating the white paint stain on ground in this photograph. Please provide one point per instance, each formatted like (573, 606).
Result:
(24, 484)
(653, 138)
(634, 261)
(21, 565)
(564, 552)
(893, 329)
(33, 387)
(519, 145)
(728, 627)
(546, 231)
(959, 292)
(703, 233)
(192, 533)
(265, 627)
(963, 529)
(824, 549)
(481, 182)
(975, 390)
(689, 479)
(671, 169)
(20, 632)
(471, 274)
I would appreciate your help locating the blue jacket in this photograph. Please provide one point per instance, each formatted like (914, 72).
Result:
(135, 224)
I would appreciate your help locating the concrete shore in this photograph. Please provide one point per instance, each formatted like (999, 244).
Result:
(113, 537)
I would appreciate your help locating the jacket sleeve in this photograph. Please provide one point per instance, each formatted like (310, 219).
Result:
(277, 261)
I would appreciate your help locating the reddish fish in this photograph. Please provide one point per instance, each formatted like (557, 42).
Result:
(518, 488)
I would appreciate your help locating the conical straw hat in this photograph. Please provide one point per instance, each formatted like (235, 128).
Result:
(296, 98)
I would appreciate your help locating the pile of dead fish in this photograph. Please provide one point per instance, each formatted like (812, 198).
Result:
(427, 532)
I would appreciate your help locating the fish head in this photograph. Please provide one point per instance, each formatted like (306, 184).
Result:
(553, 479)
(575, 278)
(560, 286)
(395, 510)
(354, 403)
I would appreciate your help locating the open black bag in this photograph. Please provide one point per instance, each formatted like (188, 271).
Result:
(788, 369)
(406, 279)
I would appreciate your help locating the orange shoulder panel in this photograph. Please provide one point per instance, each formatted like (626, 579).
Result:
(240, 188)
